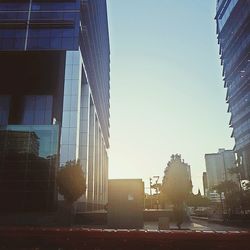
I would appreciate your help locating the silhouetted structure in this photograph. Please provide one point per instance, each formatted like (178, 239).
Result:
(125, 203)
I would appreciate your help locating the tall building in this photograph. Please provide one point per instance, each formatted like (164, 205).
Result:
(205, 184)
(218, 165)
(233, 26)
(54, 100)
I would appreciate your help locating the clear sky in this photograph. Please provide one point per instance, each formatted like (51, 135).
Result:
(167, 92)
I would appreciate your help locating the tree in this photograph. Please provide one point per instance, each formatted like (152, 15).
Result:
(197, 201)
(71, 181)
(232, 195)
(177, 185)
(156, 187)
(246, 199)
(235, 170)
(219, 189)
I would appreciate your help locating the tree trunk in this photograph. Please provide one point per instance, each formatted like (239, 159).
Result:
(65, 214)
(222, 206)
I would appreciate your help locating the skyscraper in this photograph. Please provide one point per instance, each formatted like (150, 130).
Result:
(54, 99)
(233, 26)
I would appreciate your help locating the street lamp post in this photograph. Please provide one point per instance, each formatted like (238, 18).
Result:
(157, 191)
(150, 191)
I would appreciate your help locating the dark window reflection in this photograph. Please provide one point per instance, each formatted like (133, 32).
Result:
(4, 109)
(28, 163)
(37, 110)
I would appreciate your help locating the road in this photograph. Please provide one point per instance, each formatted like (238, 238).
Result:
(198, 225)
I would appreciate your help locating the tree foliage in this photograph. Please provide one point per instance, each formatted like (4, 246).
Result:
(231, 192)
(197, 201)
(71, 181)
(235, 170)
(226, 187)
(156, 187)
(176, 184)
(246, 199)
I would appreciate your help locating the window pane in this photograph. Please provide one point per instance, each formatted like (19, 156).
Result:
(4, 109)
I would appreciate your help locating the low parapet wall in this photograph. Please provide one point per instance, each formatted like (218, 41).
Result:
(77, 238)
(100, 218)
(155, 214)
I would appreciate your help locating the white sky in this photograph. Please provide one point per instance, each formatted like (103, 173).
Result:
(167, 92)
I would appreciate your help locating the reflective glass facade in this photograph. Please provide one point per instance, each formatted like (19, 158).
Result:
(37, 109)
(32, 25)
(28, 162)
(4, 109)
(54, 66)
(233, 29)
(225, 8)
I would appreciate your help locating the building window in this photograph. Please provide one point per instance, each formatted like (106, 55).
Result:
(4, 109)
(37, 110)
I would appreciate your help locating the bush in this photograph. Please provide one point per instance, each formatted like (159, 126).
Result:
(71, 181)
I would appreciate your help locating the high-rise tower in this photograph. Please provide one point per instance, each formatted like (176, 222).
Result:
(233, 30)
(54, 99)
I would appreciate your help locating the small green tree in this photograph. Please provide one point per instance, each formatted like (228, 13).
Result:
(231, 193)
(71, 181)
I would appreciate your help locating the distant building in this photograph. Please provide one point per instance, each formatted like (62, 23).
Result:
(232, 18)
(218, 165)
(215, 197)
(205, 184)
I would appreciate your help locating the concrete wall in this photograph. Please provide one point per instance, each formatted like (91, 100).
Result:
(125, 203)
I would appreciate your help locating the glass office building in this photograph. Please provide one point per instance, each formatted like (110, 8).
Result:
(54, 100)
(233, 30)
